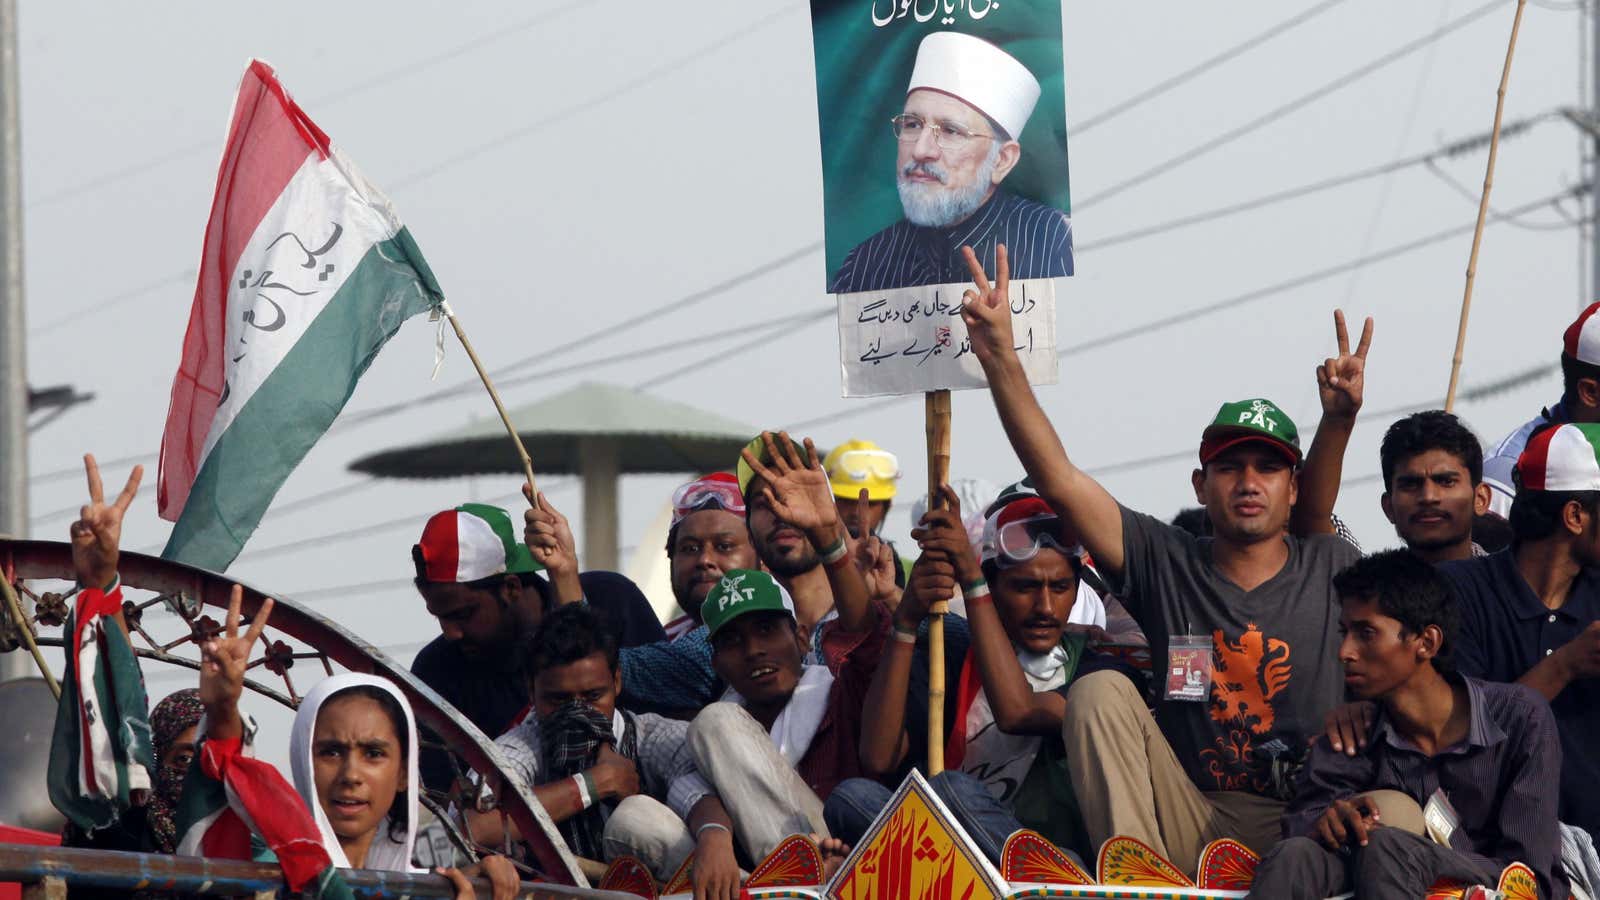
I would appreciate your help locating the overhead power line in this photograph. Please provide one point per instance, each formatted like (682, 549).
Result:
(94, 182)
(1201, 68)
(1292, 106)
(1453, 149)
(523, 131)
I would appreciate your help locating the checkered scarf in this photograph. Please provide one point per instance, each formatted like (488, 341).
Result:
(570, 740)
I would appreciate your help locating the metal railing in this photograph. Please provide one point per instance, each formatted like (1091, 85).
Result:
(50, 873)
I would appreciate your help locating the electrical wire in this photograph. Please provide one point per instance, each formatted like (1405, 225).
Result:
(1450, 150)
(95, 182)
(1201, 68)
(523, 131)
(1295, 105)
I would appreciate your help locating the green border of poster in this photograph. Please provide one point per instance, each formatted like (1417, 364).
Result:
(862, 72)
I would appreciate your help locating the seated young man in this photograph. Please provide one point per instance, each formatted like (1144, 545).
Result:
(1531, 614)
(786, 736)
(1456, 780)
(1014, 654)
(588, 761)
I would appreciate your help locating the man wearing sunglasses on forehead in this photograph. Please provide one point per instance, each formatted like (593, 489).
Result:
(1030, 617)
(1243, 624)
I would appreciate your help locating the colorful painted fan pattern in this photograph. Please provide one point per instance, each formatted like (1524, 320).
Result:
(1028, 857)
(793, 863)
(1227, 865)
(1517, 882)
(629, 876)
(1130, 861)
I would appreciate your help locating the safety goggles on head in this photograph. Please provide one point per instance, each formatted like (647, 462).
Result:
(1015, 533)
(861, 465)
(720, 490)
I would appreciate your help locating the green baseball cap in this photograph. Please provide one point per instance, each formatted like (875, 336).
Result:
(1250, 420)
(741, 592)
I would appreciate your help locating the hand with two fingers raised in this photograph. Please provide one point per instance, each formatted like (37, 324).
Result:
(223, 661)
(986, 309)
(1341, 380)
(97, 534)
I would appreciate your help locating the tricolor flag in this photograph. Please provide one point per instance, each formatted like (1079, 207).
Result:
(101, 748)
(305, 273)
(228, 795)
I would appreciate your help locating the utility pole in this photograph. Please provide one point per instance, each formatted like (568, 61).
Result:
(13, 334)
(1594, 154)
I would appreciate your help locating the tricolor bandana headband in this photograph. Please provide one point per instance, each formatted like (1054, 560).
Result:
(1563, 458)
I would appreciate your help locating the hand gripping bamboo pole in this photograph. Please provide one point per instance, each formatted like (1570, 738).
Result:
(938, 430)
(1483, 211)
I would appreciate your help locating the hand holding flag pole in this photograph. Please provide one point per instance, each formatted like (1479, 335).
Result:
(527, 461)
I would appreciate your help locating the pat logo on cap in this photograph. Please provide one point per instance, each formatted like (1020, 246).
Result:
(741, 592)
(1250, 420)
(1563, 458)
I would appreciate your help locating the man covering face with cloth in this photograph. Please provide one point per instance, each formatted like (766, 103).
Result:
(965, 107)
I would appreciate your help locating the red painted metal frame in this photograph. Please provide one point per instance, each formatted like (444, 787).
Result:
(53, 559)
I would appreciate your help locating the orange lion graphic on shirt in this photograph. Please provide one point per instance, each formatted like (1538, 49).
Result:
(1249, 673)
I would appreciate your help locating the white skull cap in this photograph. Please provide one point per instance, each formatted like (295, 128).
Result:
(979, 74)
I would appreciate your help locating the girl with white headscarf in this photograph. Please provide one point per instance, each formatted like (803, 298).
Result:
(353, 753)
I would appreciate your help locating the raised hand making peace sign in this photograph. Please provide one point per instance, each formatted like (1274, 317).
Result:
(987, 310)
(223, 661)
(1342, 379)
(97, 534)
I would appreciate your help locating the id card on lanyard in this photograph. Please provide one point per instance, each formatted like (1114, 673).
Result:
(1189, 668)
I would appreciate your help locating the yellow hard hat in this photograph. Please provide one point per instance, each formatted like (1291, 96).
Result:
(857, 464)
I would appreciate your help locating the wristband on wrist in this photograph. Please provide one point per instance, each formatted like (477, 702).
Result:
(698, 832)
(903, 636)
(976, 592)
(835, 552)
(586, 790)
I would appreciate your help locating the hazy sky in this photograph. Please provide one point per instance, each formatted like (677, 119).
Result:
(567, 165)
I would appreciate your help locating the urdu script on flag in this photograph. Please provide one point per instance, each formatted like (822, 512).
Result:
(305, 273)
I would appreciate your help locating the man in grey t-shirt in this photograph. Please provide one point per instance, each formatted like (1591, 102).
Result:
(1242, 625)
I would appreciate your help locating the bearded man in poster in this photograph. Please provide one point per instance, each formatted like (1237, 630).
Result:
(965, 108)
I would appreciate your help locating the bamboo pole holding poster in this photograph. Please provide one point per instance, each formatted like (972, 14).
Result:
(516, 439)
(937, 416)
(1483, 211)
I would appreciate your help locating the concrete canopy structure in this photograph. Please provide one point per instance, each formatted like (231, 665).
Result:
(597, 431)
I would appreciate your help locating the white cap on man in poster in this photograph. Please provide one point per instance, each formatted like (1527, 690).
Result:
(979, 74)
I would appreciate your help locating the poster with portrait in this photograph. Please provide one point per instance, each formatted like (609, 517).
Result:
(943, 125)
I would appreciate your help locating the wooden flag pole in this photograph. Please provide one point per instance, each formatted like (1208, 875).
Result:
(938, 430)
(527, 461)
(1483, 211)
